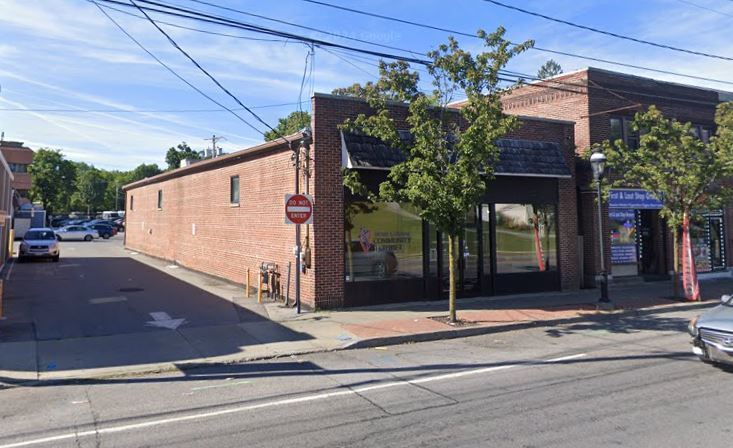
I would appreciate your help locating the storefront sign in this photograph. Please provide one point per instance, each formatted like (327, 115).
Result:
(298, 209)
(625, 254)
(633, 199)
(622, 223)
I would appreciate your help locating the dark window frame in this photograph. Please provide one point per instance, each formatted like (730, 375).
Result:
(234, 192)
(132, 202)
(160, 199)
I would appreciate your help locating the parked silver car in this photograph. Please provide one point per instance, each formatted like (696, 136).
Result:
(76, 233)
(712, 333)
(39, 243)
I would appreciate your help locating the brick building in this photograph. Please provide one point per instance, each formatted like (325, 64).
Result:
(602, 104)
(18, 158)
(225, 215)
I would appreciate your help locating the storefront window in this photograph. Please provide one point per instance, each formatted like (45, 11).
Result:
(706, 236)
(526, 238)
(383, 241)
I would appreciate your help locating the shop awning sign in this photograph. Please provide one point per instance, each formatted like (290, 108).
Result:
(633, 199)
(298, 209)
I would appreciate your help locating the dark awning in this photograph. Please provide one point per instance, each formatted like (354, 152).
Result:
(516, 157)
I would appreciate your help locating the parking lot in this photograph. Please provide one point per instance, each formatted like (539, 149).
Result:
(99, 298)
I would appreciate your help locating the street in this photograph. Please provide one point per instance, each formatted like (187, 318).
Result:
(627, 381)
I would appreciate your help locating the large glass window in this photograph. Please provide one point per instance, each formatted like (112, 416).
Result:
(621, 129)
(383, 241)
(526, 238)
(234, 190)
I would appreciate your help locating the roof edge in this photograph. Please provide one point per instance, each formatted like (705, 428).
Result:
(214, 163)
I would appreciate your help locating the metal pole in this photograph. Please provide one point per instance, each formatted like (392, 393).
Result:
(604, 275)
(297, 235)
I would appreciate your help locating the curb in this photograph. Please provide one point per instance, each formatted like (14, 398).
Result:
(8, 383)
(476, 331)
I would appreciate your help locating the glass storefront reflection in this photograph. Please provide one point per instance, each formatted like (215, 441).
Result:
(383, 240)
(526, 238)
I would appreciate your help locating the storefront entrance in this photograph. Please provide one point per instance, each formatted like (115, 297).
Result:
(467, 258)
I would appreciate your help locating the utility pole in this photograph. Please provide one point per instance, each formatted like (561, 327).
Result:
(214, 139)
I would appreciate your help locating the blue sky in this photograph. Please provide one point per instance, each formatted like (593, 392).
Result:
(64, 54)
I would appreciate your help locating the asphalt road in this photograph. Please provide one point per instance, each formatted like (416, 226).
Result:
(97, 289)
(624, 382)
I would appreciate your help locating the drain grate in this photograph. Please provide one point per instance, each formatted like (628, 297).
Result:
(130, 289)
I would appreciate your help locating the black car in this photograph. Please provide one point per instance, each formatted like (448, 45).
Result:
(105, 231)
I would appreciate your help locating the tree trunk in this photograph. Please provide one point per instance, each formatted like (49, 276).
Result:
(676, 262)
(452, 277)
(349, 255)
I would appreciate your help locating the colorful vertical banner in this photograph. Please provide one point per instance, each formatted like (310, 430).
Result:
(689, 273)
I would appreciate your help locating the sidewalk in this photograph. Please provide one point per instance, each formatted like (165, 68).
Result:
(33, 361)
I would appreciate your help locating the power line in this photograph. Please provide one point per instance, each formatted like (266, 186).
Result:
(305, 27)
(235, 24)
(137, 111)
(609, 33)
(159, 61)
(705, 8)
(203, 70)
(535, 48)
(198, 30)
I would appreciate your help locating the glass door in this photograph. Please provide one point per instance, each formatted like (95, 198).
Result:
(467, 258)
(717, 248)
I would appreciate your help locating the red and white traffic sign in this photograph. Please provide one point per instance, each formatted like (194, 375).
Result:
(298, 209)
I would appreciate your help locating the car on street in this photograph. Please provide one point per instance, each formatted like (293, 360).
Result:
(39, 243)
(104, 230)
(712, 333)
(76, 233)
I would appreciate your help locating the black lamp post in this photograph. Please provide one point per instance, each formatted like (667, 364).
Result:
(598, 163)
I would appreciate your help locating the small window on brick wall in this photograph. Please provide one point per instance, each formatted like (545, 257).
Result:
(132, 202)
(160, 199)
(234, 190)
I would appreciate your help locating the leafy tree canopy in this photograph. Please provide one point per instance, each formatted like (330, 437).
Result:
(289, 125)
(180, 152)
(549, 69)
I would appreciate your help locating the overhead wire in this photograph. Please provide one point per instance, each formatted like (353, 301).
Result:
(321, 43)
(134, 111)
(173, 72)
(209, 75)
(609, 33)
(534, 48)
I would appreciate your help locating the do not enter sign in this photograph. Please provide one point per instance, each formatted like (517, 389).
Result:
(298, 209)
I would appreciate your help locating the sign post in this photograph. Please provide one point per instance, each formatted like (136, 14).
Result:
(298, 210)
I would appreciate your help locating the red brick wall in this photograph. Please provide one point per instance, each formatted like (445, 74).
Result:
(329, 112)
(228, 239)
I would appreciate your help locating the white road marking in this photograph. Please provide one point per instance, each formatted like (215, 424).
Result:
(79, 402)
(567, 358)
(10, 270)
(100, 300)
(163, 320)
(133, 253)
(172, 266)
(73, 265)
(215, 386)
(270, 404)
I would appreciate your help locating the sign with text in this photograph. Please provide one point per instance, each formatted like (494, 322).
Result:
(298, 209)
(633, 199)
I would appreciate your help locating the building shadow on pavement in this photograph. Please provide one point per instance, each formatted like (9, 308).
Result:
(89, 313)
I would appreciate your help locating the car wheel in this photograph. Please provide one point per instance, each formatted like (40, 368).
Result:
(56, 259)
(379, 269)
(58, 238)
(88, 238)
(105, 236)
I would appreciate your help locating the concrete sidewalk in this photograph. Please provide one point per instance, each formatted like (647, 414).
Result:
(27, 362)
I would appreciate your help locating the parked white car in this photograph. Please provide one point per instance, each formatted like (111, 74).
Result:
(76, 233)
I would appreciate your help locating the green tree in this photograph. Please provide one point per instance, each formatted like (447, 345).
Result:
(90, 187)
(53, 178)
(549, 69)
(142, 171)
(397, 82)
(447, 165)
(685, 173)
(180, 152)
(289, 125)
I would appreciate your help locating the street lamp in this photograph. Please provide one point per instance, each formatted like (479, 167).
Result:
(598, 163)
